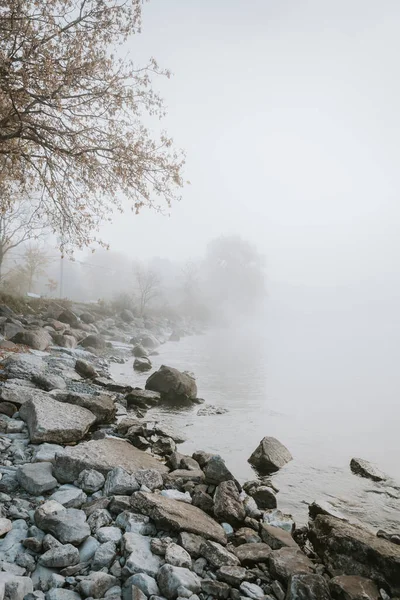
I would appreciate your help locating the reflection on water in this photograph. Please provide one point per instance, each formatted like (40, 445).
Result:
(326, 385)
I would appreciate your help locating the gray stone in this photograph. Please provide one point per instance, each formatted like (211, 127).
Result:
(276, 537)
(21, 366)
(61, 556)
(177, 556)
(39, 339)
(191, 542)
(216, 471)
(109, 534)
(88, 548)
(177, 495)
(350, 550)
(289, 561)
(96, 584)
(270, 455)
(49, 381)
(227, 505)
(61, 594)
(94, 341)
(14, 587)
(138, 351)
(142, 398)
(98, 519)
(103, 455)
(232, 575)
(150, 478)
(68, 525)
(50, 421)
(251, 590)
(142, 364)
(91, 480)
(47, 452)
(215, 589)
(145, 583)
(85, 369)
(364, 468)
(140, 559)
(11, 544)
(307, 587)
(264, 497)
(121, 482)
(102, 406)
(177, 516)
(253, 553)
(172, 384)
(5, 526)
(170, 579)
(36, 478)
(104, 556)
(69, 496)
(353, 587)
(217, 555)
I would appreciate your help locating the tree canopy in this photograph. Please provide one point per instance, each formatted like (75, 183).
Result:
(72, 113)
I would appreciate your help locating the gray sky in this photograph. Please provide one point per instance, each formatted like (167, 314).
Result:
(289, 113)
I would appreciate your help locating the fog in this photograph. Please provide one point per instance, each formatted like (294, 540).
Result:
(289, 115)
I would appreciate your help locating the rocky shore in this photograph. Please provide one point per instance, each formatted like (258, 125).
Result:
(96, 501)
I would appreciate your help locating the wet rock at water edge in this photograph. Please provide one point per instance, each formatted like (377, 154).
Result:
(142, 364)
(363, 468)
(270, 455)
(85, 369)
(173, 385)
(142, 398)
(139, 351)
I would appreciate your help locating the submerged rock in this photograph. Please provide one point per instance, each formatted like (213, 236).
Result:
(270, 455)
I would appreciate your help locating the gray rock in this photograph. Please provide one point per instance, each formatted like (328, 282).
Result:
(177, 495)
(364, 468)
(68, 525)
(49, 381)
(14, 587)
(142, 364)
(140, 559)
(139, 351)
(227, 505)
(264, 497)
(49, 421)
(172, 384)
(90, 480)
(251, 590)
(94, 341)
(98, 519)
(217, 555)
(232, 575)
(60, 556)
(121, 482)
(69, 496)
(21, 366)
(191, 542)
(36, 478)
(142, 398)
(216, 471)
(109, 534)
(39, 339)
(276, 537)
(170, 579)
(85, 369)
(69, 317)
(151, 478)
(103, 455)
(253, 554)
(353, 587)
(177, 556)
(145, 583)
(96, 584)
(87, 549)
(61, 594)
(308, 587)
(5, 526)
(288, 561)
(102, 406)
(47, 452)
(215, 589)
(351, 550)
(270, 455)
(104, 556)
(11, 545)
(177, 516)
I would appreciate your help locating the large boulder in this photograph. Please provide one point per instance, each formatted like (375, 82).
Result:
(51, 421)
(173, 385)
(270, 455)
(127, 315)
(103, 455)
(351, 550)
(352, 587)
(227, 505)
(138, 351)
(38, 339)
(177, 516)
(102, 406)
(69, 317)
(150, 342)
(22, 366)
(68, 525)
(94, 341)
(142, 364)
(363, 468)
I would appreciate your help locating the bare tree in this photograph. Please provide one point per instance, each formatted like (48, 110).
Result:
(18, 224)
(148, 286)
(35, 263)
(72, 114)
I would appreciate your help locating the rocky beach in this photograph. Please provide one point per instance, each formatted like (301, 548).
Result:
(96, 501)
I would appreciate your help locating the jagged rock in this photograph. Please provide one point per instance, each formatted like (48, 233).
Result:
(8, 409)
(309, 587)
(5, 526)
(85, 369)
(93, 341)
(177, 495)
(178, 516)
(253, 553)
(216, 470)
(289, 561)
(232, 575)
(68, 525)
(142, 364)
(103, 455)
(172, 384)
(177, 556)
(104, 556)
(64, 340)
(14, 587)
(60, 556)
(181, 476)
(251, 590)
(99, 518)
(22, 366)
(139, 559)
(142, 398)
(121, 482)
(96, 584)
(264, 497)
(322, 507)
(109, 534)
(276, 537)
(364, 468)
(217, 555)
(47, 452)
(203, 501)
(38, 339)
(49, 421)
(245, 535)
(36, 478)
(227, 504)
(49, 381)
(270, 455)
(150, 478)
(69, 496)
(101, 406)
(170, 579)
(353, 587)
(351, 550)
(145, 583)
(215, 589)
(191, 542)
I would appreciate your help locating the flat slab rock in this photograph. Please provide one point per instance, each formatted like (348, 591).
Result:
(103, 455)
(350, 550)
(363, 468)
(51, 421)
(178, 516)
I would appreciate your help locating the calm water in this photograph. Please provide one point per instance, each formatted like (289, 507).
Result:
(324, 381)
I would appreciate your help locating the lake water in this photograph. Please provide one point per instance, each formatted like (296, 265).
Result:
(324, 381)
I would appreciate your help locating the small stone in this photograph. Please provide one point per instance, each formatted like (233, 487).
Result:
(191, 542)
(85, 369)
(276, 537)
(90, 480)
(232, 575)
(177, 556)
(88, 548)
(145, 583)
(69, 496)
(47, 452)
(96, 584)
(140, 559)
(36, 478)
(217, 555)
(109, 534)
(61, 556)
(253, 554)
(151, 478)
